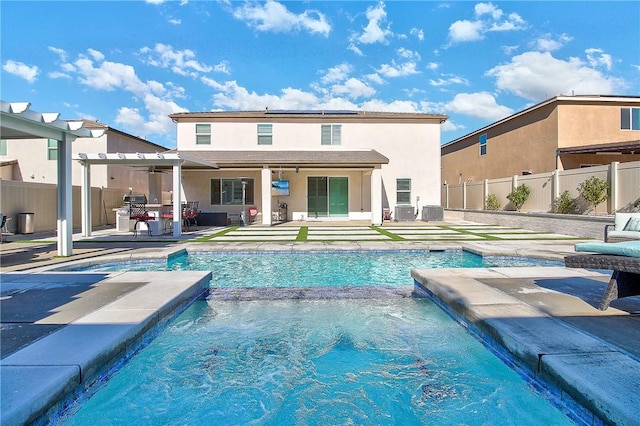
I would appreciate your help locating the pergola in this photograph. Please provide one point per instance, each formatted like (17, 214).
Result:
(19, 122)
(160, 160)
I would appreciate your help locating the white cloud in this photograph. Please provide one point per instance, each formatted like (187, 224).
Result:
(433, 66)
(461, 31)
(487, 18)
(174, 21)
(396, 70)
(181, 62)
(408, 54)
(272, 16)
(21, 70)
(393, 106)
(546, 43)
(60, 52)
(419, 33)
(354, 89)
(597, 58)
(233, 96)
(375, 31)
(481, 105)
(95, 54)
(337, 73)
(375, 78)
(447, 80)
(352, 47)
(538, 75)
(223, 67)
(57, 74)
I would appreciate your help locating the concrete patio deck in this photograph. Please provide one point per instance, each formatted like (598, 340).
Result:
(546, 316)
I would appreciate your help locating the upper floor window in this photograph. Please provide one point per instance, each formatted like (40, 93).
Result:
(3, 147)
(331, 134)
(203, 134)
(403, 191)
(265, 134)
(483, 144)
(232, 192)
(52, 149)
(630, 118)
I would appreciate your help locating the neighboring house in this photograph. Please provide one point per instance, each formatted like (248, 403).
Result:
(34, 160)
(311, 165)
(561, 133)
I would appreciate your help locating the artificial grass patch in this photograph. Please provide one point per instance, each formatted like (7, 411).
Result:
(303, 233)
(217, 234)
(384, 232)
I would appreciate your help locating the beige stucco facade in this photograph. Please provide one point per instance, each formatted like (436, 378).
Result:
(545, 137)
(407, 147)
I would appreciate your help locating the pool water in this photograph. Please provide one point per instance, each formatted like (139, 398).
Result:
(303, 269)
(383, 361)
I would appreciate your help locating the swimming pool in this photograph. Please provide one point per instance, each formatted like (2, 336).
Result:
(302, 269)
(392, 360)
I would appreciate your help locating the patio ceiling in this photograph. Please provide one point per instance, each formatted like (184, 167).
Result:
(310, 158)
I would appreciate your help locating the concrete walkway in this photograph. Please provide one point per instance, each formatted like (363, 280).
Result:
(48, 315)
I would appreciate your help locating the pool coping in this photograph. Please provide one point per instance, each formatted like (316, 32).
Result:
(40, 379)
(601, 379)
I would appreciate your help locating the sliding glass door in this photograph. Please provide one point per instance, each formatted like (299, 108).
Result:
(327, 196)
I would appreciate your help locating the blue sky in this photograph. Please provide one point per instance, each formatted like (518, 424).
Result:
(131, 63)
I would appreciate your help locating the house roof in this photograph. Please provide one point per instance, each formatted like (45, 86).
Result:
(630, 147)
(311, 158)
(307, 116)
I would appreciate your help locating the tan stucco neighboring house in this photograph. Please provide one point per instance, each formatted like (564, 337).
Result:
(561, 133)
(34, 160)
(311, 165)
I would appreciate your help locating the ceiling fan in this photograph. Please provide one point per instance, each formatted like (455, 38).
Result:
(150, 170)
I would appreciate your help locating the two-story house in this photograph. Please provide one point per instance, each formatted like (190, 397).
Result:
(560, 133)
(311, 165)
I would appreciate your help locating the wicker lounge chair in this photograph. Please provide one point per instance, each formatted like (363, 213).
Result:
(621, 258)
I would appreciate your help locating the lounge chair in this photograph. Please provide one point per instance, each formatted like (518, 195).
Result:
(622, 258)
(626, 227)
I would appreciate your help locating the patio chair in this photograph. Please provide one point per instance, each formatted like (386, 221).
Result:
(139, 213)
(622, 258)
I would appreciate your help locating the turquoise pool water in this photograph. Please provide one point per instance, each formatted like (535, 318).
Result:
(302, 269)
(391, 361)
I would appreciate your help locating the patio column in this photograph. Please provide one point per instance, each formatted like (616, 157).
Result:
(86, 199)
(376, 197)
(177, 200)
(65, 198)
(266, 195)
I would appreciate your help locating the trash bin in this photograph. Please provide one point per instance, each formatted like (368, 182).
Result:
(25, 223)
(122, 220)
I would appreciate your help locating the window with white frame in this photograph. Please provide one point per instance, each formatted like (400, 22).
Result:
(331, 134)
(52, 149)
(482, 142)
(403, 191)
(203, 134)
(231, 192)
(265, 134)
(630, 118)
(3, 147)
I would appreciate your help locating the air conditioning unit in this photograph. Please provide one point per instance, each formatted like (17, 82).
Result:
(435, 213)
(404, 214)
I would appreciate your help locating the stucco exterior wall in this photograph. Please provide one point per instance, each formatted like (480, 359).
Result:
(528, 141)
(413, 150)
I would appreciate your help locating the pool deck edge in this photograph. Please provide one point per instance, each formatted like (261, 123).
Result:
(599, 377)
(38, 377)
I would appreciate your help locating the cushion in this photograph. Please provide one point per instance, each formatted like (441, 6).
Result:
(621, 219)
(633, 224)
(626, 248)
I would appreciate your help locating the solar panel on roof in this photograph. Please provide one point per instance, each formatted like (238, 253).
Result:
(310, 111)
